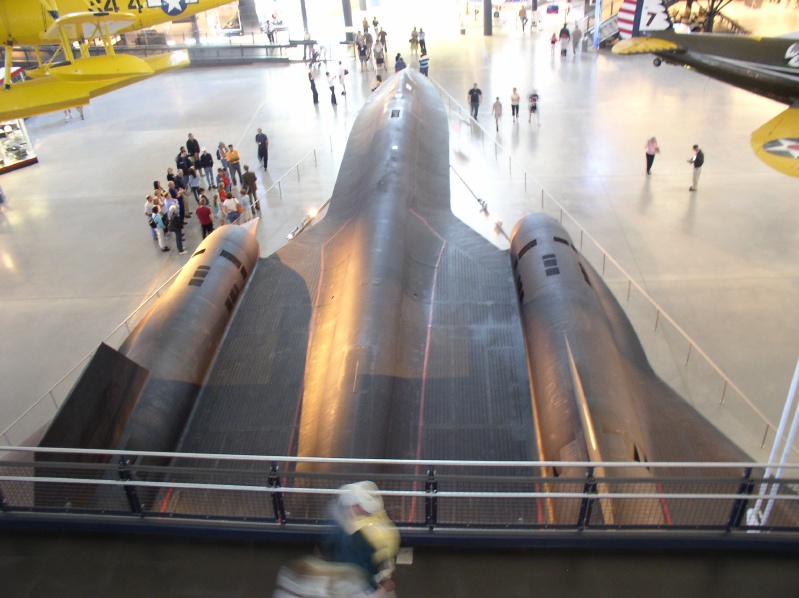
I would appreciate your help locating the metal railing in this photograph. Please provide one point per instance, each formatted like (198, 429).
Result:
(506, 497)
(695, 376)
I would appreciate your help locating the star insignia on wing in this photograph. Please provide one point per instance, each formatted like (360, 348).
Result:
(173, 7)
(785, 148)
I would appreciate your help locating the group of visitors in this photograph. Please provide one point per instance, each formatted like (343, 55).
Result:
(224, 197)
(567, 37)
(475, 97)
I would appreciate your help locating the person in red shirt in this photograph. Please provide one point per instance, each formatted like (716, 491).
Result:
(204, 216)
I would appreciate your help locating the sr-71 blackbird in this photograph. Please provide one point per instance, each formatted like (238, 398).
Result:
(391, 330)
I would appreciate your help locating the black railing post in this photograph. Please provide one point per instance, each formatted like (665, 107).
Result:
(278, 508)
(738, 512)
(130, 491)
(2, 501)
(431, 500)
(587, 504)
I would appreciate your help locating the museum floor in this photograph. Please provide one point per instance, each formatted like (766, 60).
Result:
(76, 256)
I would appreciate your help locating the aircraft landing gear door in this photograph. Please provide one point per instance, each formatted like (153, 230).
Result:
(16, 150)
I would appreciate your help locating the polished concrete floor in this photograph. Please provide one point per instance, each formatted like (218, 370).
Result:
(76, 258)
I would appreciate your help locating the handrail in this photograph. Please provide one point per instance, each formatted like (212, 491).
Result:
(661, 312)
(383, 462)
(385, 493)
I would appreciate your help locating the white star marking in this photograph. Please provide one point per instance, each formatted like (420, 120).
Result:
(173, 5)
(786, 147)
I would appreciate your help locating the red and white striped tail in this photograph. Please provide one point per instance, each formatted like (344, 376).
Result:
(653, 16)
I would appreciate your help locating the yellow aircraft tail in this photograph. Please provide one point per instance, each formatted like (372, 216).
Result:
(777, 142)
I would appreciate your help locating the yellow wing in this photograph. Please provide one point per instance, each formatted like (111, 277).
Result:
(777, 142)
(644, 45)
(48, 92)
(80, 26)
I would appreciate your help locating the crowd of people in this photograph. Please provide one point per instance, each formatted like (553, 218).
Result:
(372, 55)
(221, 196)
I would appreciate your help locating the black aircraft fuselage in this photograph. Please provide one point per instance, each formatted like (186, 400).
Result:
(763, 66)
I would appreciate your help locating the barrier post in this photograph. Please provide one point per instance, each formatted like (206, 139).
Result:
(431, 500)
(130, 491)
(738, 512)
(587, 504)
(277, 497)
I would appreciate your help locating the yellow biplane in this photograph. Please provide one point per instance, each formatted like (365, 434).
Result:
(70, 76)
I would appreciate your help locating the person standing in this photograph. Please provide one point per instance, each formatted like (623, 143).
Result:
(263, 147)
(552, 41)
(698, 159)
(577, 35)
(176, 226)
(222, 179)
(342, 72)
(523, 17)
(565, 37)
(475, 97)
(148, 213)
(532, 99)
(424, 64)
(160, 229)
(204, 216)
(331, 83)
(315, 93)
(363, 56)
(193, 147)
(250, 182)
(382, 37)
(182, 160)
(496, 112)
(207, 162)
(651, 148)
(194, 184)
(515, 98)
(422, 43)
(244, 201)
(380, 56)
(369, 41)
(230, 208)
(234, 163)
(221, 153)
(414, 41)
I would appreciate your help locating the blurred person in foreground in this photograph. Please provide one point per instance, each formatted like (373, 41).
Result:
(357, 556)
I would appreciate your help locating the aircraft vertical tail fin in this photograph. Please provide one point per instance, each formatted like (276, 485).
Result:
(639, 16)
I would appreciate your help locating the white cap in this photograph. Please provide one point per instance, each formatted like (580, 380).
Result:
(363, 494)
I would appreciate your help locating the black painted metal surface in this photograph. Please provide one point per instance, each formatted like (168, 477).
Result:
(387, 330)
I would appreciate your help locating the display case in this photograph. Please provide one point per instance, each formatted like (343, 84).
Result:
(15, 146)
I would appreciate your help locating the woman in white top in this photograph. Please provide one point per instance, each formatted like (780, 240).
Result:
(515, 98)
(651, 148)
(230, 209)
